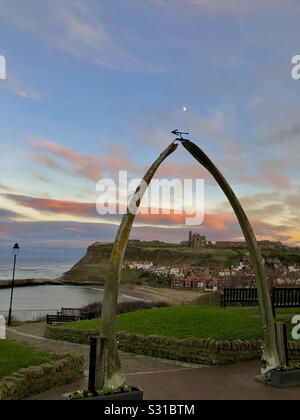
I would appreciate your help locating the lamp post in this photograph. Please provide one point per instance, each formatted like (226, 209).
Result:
(16, 249)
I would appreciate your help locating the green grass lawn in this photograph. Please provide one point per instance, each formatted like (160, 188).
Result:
(15, 356)
(193, 322)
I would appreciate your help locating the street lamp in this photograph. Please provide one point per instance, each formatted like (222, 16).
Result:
(16, 250)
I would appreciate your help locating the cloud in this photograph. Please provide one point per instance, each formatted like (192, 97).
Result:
(234, 7)
(4, 187)
(262, 206)
(216, 226)
(87, 166)
(262, 198)
(61, 235)
(183, 171)
(45, 205)
(12, 84)
(212, 222)
(293, 200)
(87, 210)
(274, 179)
(219, 125)
(49, 162)
(7, 214)
(81, 30)
(268, 211)
(271, 173)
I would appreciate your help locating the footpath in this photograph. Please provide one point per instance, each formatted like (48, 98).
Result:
(163, 379)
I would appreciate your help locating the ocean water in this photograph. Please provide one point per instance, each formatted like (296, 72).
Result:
(34, 269)
(38, 263)
(33, 303)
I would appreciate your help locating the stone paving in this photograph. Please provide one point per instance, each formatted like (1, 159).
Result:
(166, 380)
(33, 334)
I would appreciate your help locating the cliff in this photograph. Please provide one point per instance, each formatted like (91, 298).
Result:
(92, 267)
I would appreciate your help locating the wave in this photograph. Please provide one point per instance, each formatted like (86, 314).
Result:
(32, 270)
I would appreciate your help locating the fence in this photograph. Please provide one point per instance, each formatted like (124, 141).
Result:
(28, 314)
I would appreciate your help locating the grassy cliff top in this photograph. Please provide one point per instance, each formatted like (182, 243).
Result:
(92, 267)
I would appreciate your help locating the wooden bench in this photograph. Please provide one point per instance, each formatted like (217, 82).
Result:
(79, 314)
(75, 312)
(238, 295)
(284, 297)
(55, 319)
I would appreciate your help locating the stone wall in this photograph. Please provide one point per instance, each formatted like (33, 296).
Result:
(205, 351)
(33, 380)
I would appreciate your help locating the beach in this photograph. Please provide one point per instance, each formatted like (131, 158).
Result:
(171, 296)
(35, 301)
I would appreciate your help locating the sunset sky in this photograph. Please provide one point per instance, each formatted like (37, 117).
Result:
(94, 87)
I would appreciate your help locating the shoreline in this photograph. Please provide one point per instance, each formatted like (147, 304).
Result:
(173, 297)
(6, 284)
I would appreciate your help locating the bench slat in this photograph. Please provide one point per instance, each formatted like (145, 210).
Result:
(53, 319)
(282, 297)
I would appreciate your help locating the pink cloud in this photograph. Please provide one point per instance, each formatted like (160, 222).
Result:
(216, 225)
(71, 208)
(87, 166)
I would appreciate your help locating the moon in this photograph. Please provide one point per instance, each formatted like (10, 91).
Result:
(184, 109)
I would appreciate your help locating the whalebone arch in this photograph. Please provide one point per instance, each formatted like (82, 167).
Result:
(270, 358)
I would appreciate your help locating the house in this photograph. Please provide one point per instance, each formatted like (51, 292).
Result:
(192, 281)
(230, 244)
(138, 266)
(175, 271)
(225, 272)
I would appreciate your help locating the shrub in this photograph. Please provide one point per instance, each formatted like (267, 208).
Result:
(129, 306)
(210, 298)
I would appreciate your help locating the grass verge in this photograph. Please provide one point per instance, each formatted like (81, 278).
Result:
(193, 322)
(15, 356)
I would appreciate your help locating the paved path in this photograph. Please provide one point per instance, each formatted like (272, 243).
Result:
(230, 382)
(33, 334)
(167, 380)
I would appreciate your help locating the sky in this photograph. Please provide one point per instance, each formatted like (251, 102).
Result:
(95, 87)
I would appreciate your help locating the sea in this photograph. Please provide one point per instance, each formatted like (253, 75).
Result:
(37, 264)
(34, 303)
